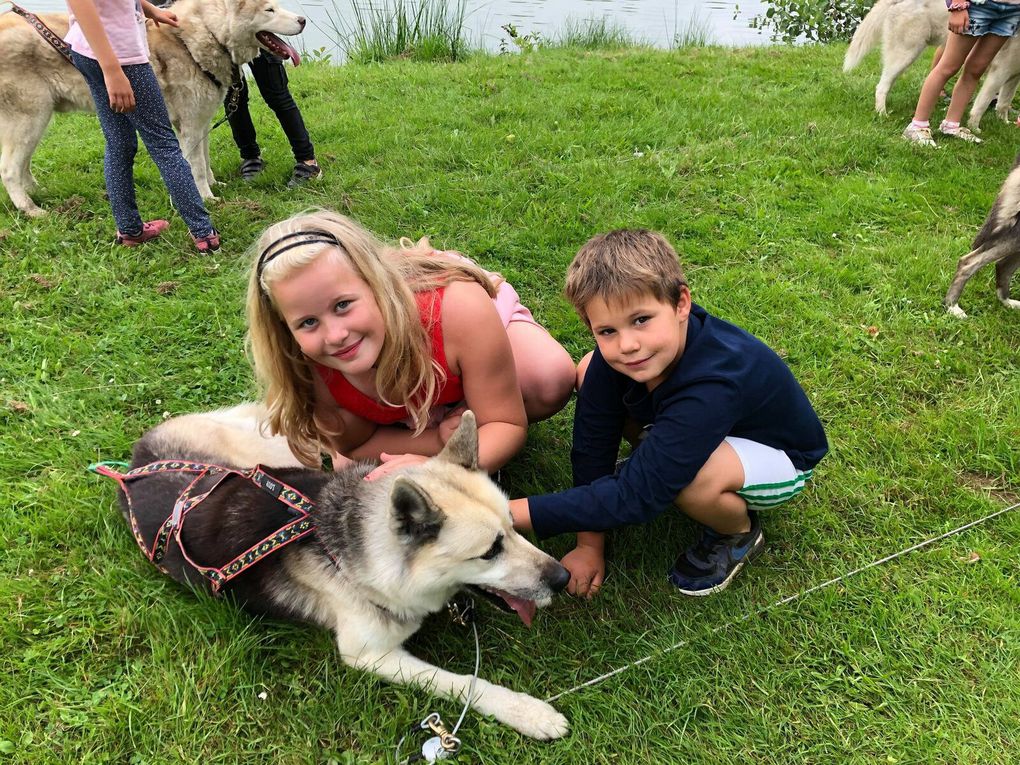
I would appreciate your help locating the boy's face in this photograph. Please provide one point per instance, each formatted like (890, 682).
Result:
(641, 337)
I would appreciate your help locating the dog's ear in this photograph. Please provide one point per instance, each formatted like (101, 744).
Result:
(417, 518)
(462, 448)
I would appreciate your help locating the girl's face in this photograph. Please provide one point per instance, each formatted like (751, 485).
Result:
(332, 314)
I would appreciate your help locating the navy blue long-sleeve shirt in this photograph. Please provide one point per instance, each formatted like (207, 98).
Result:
(726, 383)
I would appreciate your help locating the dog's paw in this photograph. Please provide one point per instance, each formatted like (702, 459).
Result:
(956, 311)
(530, 716)
(1014, 304)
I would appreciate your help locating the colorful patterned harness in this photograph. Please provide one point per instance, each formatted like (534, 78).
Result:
(172, 528)
(47, 34)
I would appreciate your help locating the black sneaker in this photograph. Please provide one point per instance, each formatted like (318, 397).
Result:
(251, 167)
(303, 173)
(711, 563)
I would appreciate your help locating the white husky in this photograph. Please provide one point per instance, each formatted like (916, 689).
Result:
(384, 554)
(194, 64)
(905, 28)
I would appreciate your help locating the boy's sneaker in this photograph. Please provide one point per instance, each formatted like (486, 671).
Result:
(251, 167)
(303, 173)
(957, 131)
(711, 563)
(919, 135)
(207, 243)
(150, 230)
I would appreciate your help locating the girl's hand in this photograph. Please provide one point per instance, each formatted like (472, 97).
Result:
(159, 16)
(118, 88)
(391, 462)
(958, 21)
(587, 567)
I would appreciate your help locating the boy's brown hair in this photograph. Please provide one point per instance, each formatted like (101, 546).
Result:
(621, 265)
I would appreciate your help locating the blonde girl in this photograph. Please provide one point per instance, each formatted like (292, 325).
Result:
(372, 351)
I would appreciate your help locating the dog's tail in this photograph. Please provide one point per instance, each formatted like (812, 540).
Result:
(867, 35)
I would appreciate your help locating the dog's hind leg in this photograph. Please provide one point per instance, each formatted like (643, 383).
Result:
(1004, 270)
(521, 712)
(19, 136)
(968, 266)
(897, 55)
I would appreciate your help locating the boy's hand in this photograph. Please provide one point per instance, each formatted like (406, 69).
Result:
(587, 567)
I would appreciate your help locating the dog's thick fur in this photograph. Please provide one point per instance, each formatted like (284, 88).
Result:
(905, 28)
(214, 36)
(998, 242)
(403, 545)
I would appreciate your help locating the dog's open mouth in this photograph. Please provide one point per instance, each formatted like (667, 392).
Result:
(504, 600)
(278, 47)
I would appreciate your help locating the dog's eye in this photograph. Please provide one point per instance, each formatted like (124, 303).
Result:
(496, 549)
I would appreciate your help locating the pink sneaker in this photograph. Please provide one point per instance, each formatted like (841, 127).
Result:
(150, 230)
(207, 243)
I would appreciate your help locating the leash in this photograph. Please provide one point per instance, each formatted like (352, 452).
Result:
(172, 528)
(55, 40)
(782, 602)
(444, 744)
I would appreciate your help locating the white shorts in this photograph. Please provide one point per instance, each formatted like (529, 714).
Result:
(770, 479)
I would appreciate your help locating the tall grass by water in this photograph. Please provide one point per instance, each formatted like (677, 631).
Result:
(420, 30)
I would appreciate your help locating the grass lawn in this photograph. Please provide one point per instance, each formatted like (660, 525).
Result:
(799, 214)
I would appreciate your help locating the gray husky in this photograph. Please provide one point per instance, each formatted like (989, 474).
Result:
(384, 553)
(998, 242)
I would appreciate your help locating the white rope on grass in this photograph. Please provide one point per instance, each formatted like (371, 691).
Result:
(782, 602)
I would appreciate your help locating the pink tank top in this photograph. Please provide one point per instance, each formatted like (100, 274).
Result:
(430, 306)
(124, 24)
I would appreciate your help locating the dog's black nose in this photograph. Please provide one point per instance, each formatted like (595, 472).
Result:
(301, 21)
(558, 578)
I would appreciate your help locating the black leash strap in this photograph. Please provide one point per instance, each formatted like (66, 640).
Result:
(47, 34)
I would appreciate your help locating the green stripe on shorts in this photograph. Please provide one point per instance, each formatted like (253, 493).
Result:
(765, 495)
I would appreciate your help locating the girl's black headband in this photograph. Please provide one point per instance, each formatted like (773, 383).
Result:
(314, 236)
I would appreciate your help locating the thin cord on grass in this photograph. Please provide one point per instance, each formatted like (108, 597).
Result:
(782, 602)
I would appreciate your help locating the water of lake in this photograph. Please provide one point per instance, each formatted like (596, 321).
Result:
(653, 21)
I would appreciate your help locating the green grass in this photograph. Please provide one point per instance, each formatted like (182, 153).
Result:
(800, 215)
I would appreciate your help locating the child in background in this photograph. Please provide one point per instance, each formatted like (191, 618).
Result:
(977, 30)
(372, 351)
(720, 426)
(271, 79)
(110, 49)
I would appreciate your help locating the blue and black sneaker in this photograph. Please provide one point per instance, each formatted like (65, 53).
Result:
(712, 562)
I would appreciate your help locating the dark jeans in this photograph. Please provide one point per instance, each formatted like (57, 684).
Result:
(151, 121)
(271, 79)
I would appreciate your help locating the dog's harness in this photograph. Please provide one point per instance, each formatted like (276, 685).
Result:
(47, 34)
(171, 529)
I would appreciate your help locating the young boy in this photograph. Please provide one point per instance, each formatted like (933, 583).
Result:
(720, 426)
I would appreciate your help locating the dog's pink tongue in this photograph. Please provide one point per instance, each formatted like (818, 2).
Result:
(524, 608)
(279, 47)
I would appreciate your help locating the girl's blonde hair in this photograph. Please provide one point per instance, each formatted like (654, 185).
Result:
(406, 372)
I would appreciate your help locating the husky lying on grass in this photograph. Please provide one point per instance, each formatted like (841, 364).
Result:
(383, 554)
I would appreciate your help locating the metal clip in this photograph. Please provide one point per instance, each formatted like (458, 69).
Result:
(462, 610)
(449, 742)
